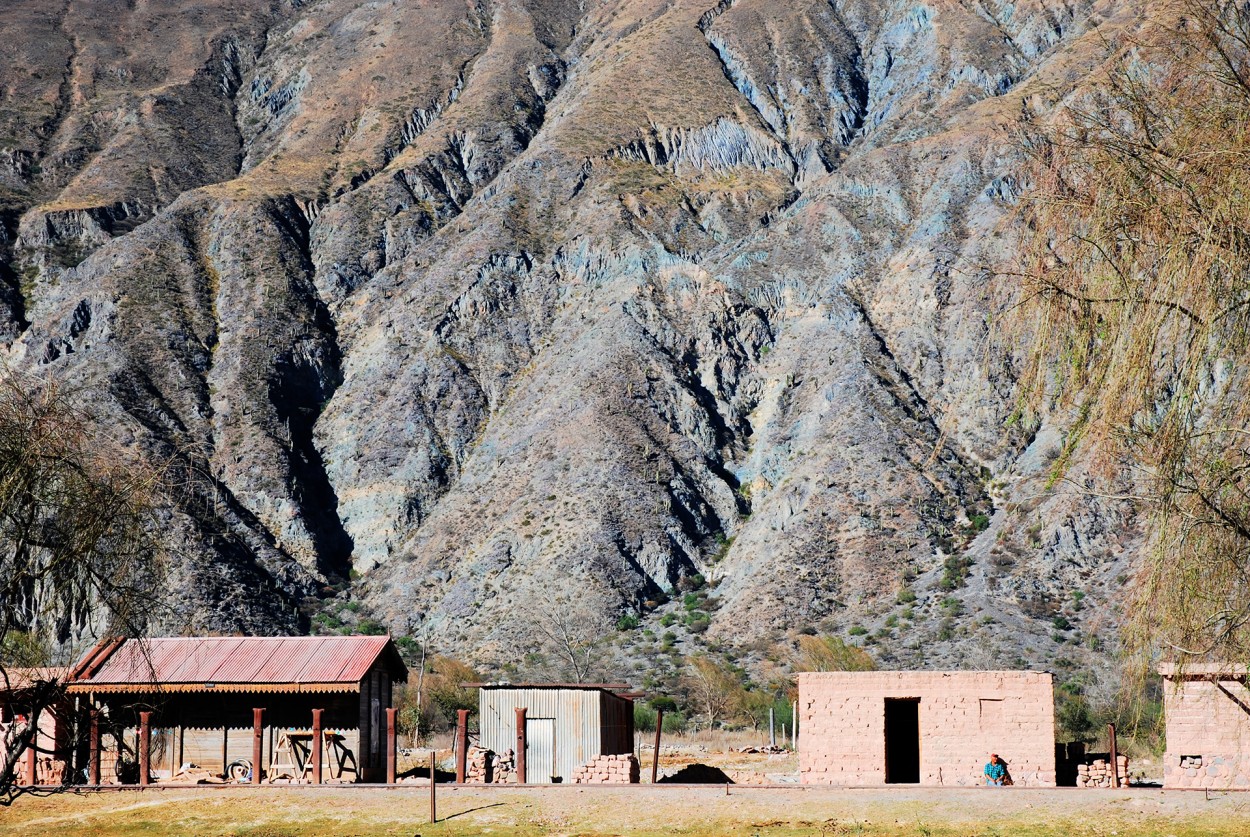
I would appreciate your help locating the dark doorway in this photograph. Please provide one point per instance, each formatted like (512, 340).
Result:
(902, 741)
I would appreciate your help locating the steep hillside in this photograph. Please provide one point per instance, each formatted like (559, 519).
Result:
(472, 306)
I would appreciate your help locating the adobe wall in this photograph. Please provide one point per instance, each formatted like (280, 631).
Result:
(964, 716)
(1208, 733)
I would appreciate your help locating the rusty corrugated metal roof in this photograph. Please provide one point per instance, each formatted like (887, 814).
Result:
(319, 663)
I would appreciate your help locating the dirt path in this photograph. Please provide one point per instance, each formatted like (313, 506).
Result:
(640, 810)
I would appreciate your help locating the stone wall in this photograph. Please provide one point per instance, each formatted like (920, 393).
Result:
(964, 716)
(1208, 732)
(621, 769)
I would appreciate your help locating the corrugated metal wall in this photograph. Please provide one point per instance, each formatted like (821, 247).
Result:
(617, 735)
(577, 717)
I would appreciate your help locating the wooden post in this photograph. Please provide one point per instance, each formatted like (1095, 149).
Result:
(1115, 760)
(462, 745)
(258, 743)
(794, 725)
(520, 746)
(772, 729)
(145, 748)
(93, 752)
(433, 784)
(28, 772)
(390, 745)
(316, 746)
(655, 757)
(225, 752)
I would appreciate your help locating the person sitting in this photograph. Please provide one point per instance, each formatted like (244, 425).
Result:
(995, 771)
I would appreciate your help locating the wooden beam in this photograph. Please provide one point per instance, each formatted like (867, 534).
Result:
(316, 746)
(390, 745)
(93, 753)
(462, 745)
(145, 748)
(520, 746)
(258, 742)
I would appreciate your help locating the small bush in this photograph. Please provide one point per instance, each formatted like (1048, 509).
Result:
(858, 630)
(628, 622)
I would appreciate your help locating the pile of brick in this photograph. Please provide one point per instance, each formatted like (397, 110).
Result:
(484, 767)
(1097, 774)
(619, 769)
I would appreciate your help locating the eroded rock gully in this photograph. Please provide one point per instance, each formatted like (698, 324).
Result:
(456, 307)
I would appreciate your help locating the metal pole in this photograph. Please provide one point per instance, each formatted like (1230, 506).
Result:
(655, 757)
(520, 746)
(772, 729)
(258, 742)
(462, 745)
(1115, 760)
(316, 746)
(225, 743)
(93, 757)
(390, 745)
(433, 784)
(145, 747)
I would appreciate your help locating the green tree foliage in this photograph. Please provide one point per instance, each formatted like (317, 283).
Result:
(1136, 309)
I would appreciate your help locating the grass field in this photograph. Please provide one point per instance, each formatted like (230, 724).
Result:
(640, 810)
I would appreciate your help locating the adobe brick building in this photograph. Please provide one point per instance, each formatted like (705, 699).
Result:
(925, 727)
(1206, 709)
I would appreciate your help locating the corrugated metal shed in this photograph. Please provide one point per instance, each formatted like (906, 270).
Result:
(235, 664)
(587, 722)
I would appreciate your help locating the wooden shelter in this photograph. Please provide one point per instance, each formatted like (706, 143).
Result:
(555, 728)
(222, 701)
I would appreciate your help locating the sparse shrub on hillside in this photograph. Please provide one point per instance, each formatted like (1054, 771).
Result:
(831, 653)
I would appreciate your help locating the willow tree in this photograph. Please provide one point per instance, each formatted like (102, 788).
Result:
(79, 553)
(1137, 291)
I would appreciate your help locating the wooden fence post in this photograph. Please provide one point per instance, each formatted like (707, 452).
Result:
(655, 757)
(1115, 760)
(433, 784)
(462, 745)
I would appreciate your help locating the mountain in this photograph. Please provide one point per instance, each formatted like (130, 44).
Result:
(466, 310)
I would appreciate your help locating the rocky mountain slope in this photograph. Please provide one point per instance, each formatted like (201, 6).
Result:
(471, 307)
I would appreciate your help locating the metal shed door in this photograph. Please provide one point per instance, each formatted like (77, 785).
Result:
(540, 750)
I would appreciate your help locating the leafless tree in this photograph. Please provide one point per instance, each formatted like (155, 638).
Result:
(570, 635)
(79, 551)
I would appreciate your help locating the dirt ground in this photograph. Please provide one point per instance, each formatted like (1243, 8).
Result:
(637, 810)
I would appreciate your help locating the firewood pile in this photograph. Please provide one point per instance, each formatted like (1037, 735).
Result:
(619, 769)
(1097, 774)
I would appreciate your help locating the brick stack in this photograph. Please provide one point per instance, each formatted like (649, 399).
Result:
(484, 766)
(619, 769)
(1097, 774)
